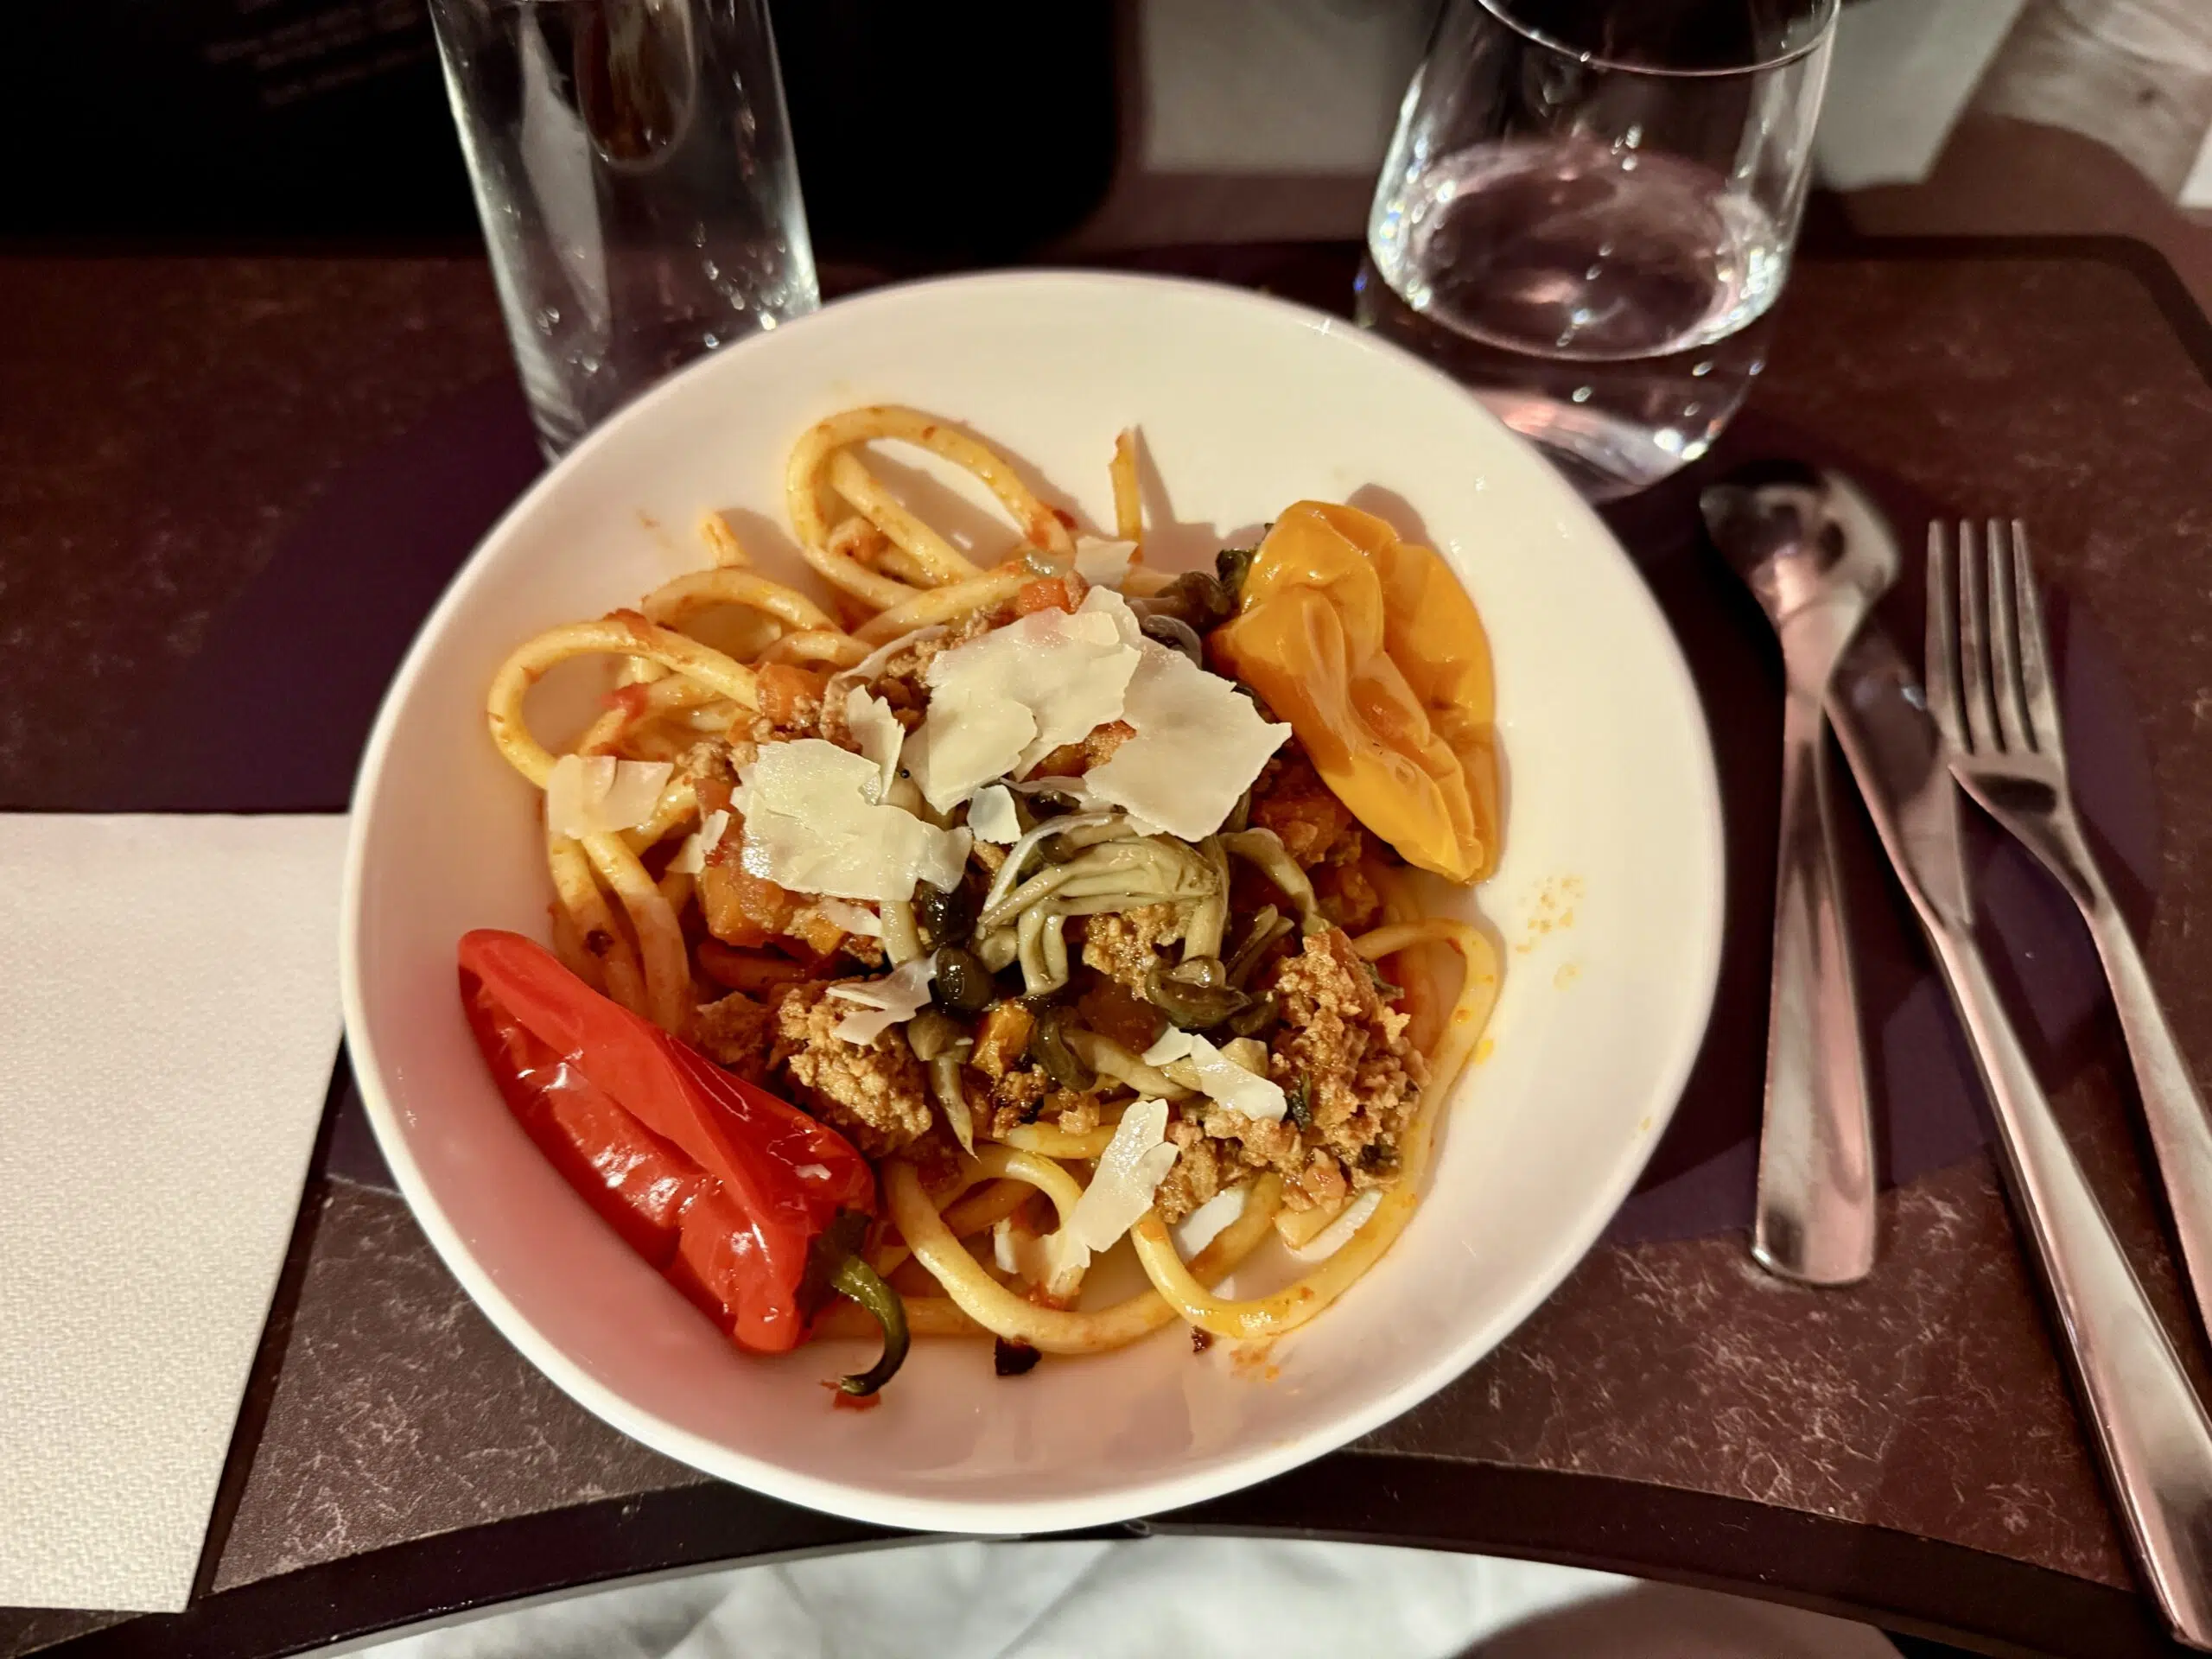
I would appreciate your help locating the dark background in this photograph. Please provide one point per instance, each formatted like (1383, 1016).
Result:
(924, 133)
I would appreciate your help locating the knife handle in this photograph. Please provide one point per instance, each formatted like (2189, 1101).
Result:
(2150, 1428)
(2173, 1111)
(1814, 1220)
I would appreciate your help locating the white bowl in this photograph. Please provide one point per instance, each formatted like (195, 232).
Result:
(1608, 903)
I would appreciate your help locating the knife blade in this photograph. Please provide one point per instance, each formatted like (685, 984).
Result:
(2150, 1431)
(1880, 716)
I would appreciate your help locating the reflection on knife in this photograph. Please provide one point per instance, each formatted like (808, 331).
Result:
(2149, 1427)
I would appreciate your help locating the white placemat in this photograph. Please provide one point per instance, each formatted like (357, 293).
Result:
(169, 1017)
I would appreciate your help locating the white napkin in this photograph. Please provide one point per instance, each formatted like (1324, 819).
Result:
(169, 1017)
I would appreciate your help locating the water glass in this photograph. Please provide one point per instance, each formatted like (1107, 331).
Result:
(1587, 211)
(632, 168)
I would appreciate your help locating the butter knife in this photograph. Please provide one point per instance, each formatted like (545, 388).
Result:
(2150, 1429)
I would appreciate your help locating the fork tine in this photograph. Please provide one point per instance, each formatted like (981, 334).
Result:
(1941, 670)
(2009, 697)
(2036, 688)
(1974, 647)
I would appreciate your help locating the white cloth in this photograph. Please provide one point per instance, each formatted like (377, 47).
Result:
(169, 1018)
(1287, 1599)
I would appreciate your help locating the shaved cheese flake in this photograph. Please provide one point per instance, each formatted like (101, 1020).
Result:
(991, 816)
(1105, 602)
(883, 1003)
(699, 846)
(634, 795)
(1174, 1043)
(1103, 564)
(856, 919)
(596, 794)
(1191, 1059)
(877, 730)
(1128, 1173)
(565, 793)
(1019, 1251)
(957, 749)
(1200, 744)
(1230, 1084)
(815, 822)
(1003, 701)
(942, 858)
(1337, 1234)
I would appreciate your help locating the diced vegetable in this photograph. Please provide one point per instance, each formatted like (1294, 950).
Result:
(790, 695)
(1048, 593)
(1003, 1039)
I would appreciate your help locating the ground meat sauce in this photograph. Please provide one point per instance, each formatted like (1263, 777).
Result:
(1338, 1047)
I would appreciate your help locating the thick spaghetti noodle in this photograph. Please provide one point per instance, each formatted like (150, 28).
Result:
(1116, 1024)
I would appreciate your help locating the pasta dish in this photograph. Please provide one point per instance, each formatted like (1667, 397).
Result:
(918, 941)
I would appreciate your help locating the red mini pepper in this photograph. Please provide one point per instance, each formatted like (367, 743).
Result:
(751, 1208)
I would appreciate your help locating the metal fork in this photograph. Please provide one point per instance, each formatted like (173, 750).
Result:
(2012, 758)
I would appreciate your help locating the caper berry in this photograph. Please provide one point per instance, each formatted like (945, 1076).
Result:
(963, 984)
(1048, 1046)
(945, 914)
(1194, 999)
(1256, 1020)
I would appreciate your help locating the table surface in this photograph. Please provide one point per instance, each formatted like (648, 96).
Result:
(1904, 1451)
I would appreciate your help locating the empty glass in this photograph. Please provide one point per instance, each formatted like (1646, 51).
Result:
(632, 168)
(1587, 211)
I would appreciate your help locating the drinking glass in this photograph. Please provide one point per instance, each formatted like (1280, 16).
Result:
(1587, 211)
(632, 168)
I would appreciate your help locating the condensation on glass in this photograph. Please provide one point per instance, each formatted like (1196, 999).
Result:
(632, 168)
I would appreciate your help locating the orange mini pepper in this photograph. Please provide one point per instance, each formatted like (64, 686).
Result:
(1371, 650)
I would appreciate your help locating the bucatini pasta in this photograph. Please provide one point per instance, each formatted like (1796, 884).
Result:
(1053, 932)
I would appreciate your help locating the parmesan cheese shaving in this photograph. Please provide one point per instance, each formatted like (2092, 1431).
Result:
(883, 1003)
(877, 730)
(1003, 701)
(991, 816)
(1174, 1043)
(1103, 564)
(1019, 1251)
(856, 919)
(1128, 1173)
(957, 749)
(596, 794)
(1200, 744)
(815, 822)
(1215, 1076)
(1105, 602)
(699, 846)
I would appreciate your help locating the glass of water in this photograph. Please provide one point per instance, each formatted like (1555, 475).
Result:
(1587, 211)
(632, 168)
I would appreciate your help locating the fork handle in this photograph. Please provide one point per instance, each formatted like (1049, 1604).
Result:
(1814, 1220)
(2150, 1430)
(2181, 1135)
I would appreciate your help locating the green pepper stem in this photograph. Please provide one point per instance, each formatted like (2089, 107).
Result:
(854, 1279)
